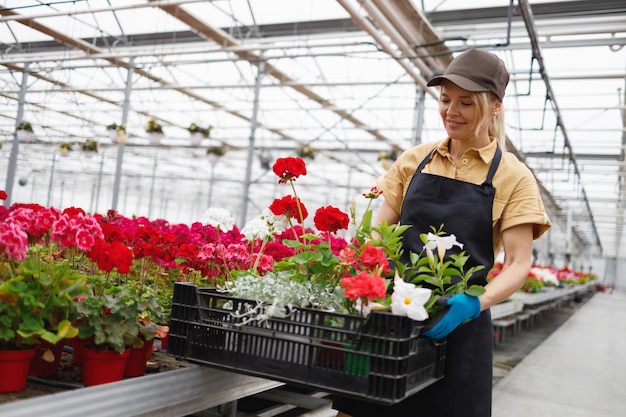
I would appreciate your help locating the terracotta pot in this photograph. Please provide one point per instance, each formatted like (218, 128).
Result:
(137, 359)
(103, 366)
(14, 366)
(47, 359)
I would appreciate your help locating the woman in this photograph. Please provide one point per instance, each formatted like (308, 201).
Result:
(490, 201)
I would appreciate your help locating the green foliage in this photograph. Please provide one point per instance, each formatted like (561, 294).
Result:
(24, 125)
(38, 303)
(119, 317)
(205, 131)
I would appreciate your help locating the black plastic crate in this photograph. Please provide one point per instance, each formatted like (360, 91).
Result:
(382, 359)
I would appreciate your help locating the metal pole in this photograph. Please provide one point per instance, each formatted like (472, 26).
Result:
(418, 116)
(99, 184)
(121, 143)
(154, 168)
(15, 148)
(54, 158)
(253, 124)
(211, 184)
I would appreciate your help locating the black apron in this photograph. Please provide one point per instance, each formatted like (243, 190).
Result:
(465, 210)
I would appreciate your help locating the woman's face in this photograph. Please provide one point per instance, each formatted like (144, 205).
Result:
(461, 114)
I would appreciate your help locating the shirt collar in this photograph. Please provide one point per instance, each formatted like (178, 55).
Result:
(486, 153)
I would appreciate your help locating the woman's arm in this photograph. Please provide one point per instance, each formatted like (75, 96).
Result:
(386, 214)
(518, 244)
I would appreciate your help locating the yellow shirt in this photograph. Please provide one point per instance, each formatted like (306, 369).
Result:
(517, 200)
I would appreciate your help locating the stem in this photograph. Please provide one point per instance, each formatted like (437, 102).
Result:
(219, 241)
(258, 258)
(293, 187)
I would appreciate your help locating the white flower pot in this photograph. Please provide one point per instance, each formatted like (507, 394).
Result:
(195, 138)
(113, 135)
(24, 136)
(154, 138)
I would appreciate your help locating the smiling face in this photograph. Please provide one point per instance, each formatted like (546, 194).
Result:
(465, 115)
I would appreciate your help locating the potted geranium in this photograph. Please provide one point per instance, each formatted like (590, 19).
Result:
(116, 132)
(90, 146)
(154, 130)
(306, 152)
(215, 152)
(65, 148)
(386, 158)
(24, 131)
(197, 133)
(37, 286)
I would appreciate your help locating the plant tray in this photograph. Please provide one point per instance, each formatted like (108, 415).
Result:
(382, 359)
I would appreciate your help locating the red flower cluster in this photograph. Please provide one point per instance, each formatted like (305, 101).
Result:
(3, 195)
(330, 219)
(364, 286)
(111, 255)
(288, 169)
(288, 206)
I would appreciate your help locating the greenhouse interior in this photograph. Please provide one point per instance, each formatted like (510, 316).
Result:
(152, 132)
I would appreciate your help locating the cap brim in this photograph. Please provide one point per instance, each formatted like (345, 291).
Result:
(464, 83)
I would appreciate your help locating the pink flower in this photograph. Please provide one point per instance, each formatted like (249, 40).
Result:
(13, 241)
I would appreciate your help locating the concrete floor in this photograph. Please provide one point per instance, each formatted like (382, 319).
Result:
(577, 371)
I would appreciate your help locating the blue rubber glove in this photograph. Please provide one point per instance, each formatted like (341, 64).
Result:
(462, 307)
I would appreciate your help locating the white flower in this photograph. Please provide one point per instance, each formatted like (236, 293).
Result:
(220, 218)
(256, 228)
(408, 300)
(276, 224)
(545, 274)
(442, 243)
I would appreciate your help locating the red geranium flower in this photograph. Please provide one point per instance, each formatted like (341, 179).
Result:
(3, 195)
(364, 286)
(372, 257)
(288, 206)
(288, 169)
(330, 219)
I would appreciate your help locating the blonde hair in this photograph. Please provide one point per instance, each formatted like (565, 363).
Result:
(496, 123)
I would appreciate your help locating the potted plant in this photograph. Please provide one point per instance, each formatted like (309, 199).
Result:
(306, 152)
(116, 132)
(37, 308)
(154, 131)
(90, 146)
(65, 148)
(215, 152)
(24, 131)
(386, 158)
(197, 133)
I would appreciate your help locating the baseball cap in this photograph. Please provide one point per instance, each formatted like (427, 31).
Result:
(476, 70)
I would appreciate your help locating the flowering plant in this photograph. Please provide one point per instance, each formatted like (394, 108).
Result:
(56, 280)
(205, 131)
(24, 125)
(90, 145)
(319, 269)
(116, 127)
(152, 126)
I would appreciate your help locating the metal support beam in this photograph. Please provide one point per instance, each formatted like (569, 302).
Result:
(251, 140)
(15, 148)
